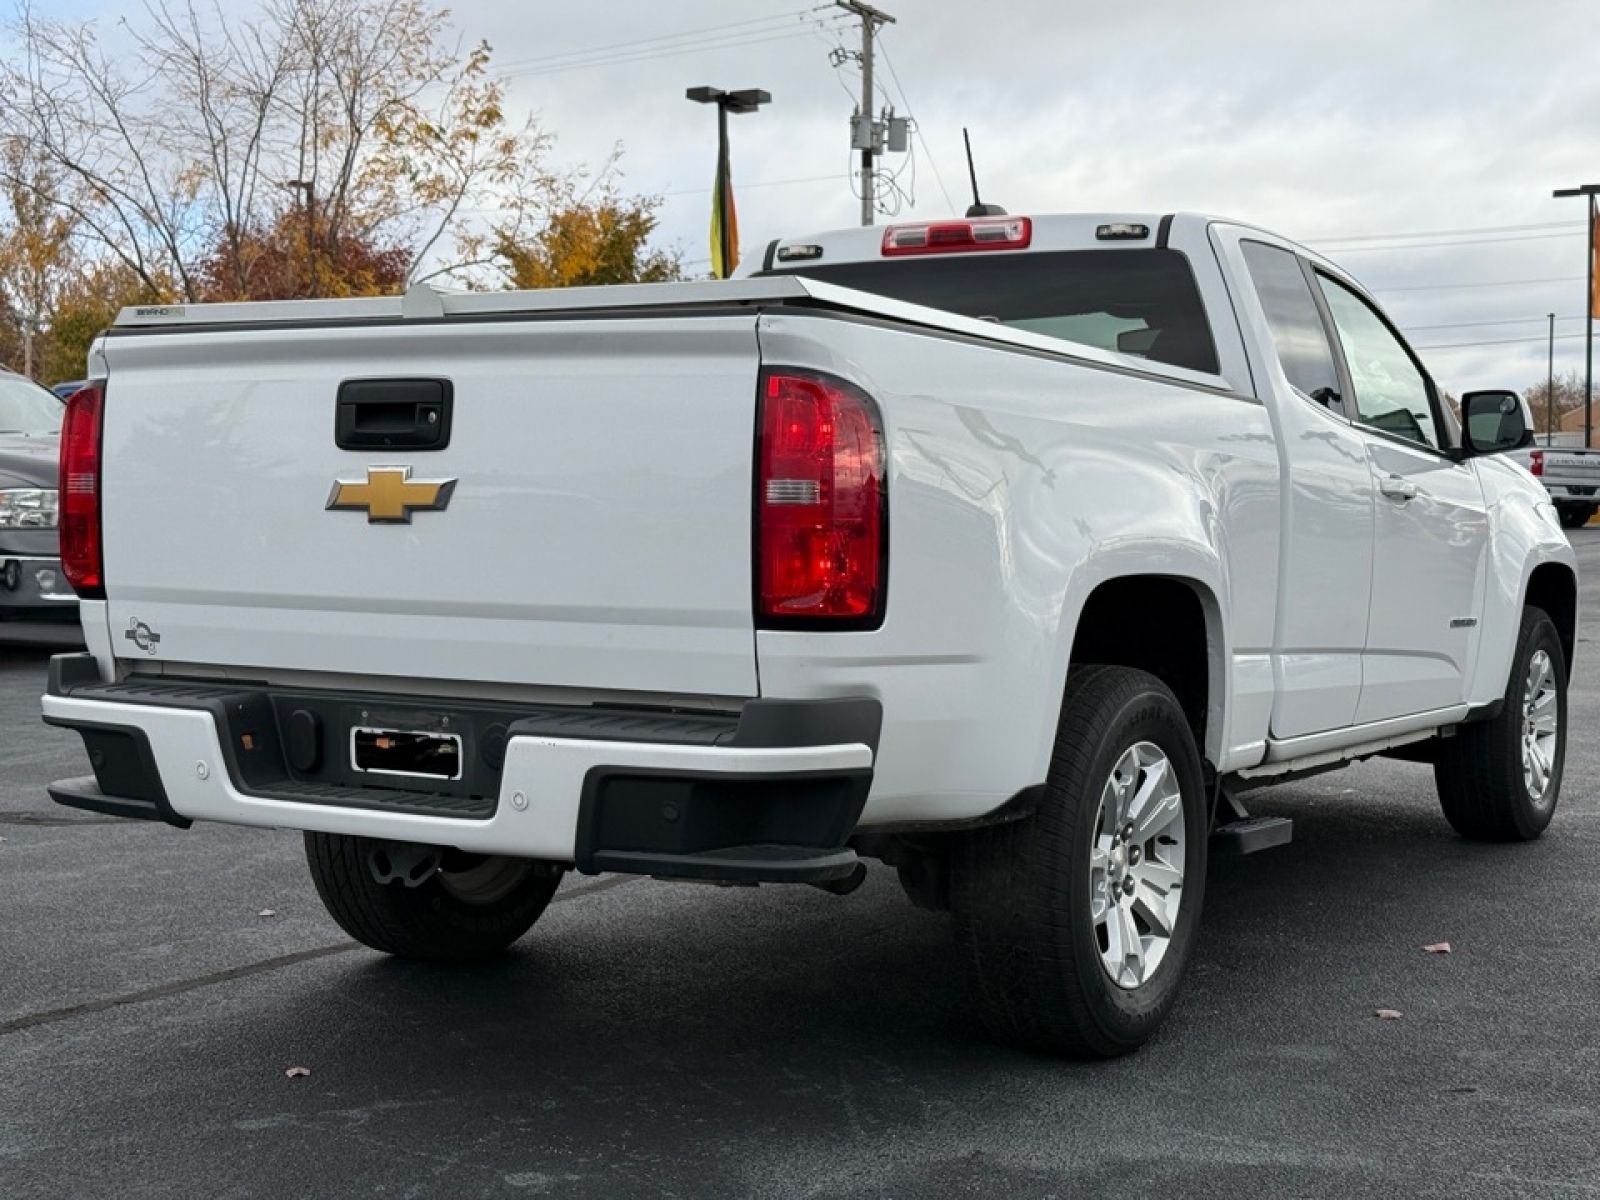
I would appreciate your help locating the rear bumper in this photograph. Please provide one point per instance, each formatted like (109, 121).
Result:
(767, 794)
(35, 586)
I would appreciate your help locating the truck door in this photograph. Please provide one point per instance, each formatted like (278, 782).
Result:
(1431, 523)
(1325, 581)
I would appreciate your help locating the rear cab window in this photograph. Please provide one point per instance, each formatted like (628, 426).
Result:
(1143, 303)
(1298, 334)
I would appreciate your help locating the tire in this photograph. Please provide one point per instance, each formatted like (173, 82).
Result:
(472, 907)
(1575, 516)
(1035, 928)
(1499, 780)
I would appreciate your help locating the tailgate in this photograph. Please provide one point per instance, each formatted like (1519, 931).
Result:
(1571, 468)
(597, 535)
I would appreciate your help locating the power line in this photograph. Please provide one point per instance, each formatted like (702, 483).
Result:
(735, 42)
(1490, 241)
(1484, 324)
(1560, 337)
(1391, 237)
(777, 20)
(1439, 287)
(916, 128)
(743, 187)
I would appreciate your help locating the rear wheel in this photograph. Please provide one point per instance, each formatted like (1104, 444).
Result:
(471, 906)
(1499, 779)
(1077, 923)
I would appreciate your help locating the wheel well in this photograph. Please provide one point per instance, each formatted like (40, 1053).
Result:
(1154, 624)
(1552, 588)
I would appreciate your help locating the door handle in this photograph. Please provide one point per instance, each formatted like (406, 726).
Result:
(1397, 488)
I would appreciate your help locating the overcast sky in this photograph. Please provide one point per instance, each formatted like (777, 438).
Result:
(1343, 125)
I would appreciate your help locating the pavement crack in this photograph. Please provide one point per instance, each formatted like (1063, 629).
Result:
(604, 885)
(90, 1007)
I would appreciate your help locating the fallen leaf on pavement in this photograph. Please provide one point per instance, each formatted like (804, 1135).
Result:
(1388, 1014)
(267, 912)
(1438, 948)
(297, 1072)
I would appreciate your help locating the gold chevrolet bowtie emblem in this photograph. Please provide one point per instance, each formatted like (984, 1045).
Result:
(390, 495)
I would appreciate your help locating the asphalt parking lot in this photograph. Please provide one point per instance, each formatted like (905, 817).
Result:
(649, 1039)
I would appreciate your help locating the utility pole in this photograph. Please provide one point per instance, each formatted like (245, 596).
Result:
(865, 135)
(1550, 386)
(1588, 191)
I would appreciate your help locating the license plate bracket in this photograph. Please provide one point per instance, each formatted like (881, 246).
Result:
(410, 753)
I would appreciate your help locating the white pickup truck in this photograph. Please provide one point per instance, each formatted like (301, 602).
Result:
(1005, 550)
(1571, 476)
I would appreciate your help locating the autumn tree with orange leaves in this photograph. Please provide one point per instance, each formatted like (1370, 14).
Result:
(314, 148)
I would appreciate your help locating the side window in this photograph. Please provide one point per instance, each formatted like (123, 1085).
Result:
(1391, 392)
(1297, 330)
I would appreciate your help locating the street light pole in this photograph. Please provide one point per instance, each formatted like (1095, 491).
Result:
(1588, 191)
(303, 186)
(725, 228)
(722, 215)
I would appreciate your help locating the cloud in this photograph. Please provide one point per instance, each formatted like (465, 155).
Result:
(1367, 117)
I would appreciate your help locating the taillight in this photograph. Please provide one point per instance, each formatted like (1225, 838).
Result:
(1536, 462)
(953, 237)
(821, 526)
(80, 493)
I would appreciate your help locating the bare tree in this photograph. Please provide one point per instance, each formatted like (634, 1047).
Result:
(36, 251)
(356, 116)
(1567, 394)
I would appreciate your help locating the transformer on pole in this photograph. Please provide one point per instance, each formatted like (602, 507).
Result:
(867, 134)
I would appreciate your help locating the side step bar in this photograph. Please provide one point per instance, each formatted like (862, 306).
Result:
(1235, 832)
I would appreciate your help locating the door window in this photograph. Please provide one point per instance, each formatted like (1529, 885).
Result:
(1391, 392)
(1298, 333)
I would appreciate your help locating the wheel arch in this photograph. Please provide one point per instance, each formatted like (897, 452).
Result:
(1170, 626)
(1553, 587)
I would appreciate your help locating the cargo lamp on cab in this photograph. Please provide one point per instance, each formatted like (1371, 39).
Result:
(954, 237)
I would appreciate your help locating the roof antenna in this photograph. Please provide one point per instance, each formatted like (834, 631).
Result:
(977, 208)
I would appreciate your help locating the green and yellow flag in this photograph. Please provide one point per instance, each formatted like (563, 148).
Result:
(724, 220)
(1594, 274)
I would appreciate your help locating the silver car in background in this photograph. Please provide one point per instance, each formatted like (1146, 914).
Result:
(32, 587)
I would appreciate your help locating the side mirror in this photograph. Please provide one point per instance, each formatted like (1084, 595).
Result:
(1493, 422)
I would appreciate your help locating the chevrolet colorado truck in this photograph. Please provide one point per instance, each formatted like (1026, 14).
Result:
(1571, 476)
(1007, 551)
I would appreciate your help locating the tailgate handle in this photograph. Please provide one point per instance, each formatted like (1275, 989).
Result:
(393, 414)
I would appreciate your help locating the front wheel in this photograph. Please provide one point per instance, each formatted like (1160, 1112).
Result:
(1575, 516)
(1499, 779)
(1077, 923)
(471, 907)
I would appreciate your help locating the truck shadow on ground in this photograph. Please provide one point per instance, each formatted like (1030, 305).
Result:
(672, 982)
(653, 1039)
